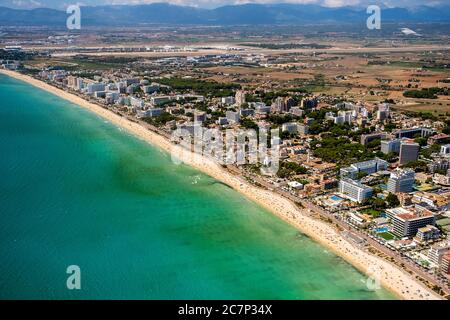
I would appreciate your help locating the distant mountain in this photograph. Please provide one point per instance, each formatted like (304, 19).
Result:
(160, 13)
(35, 17)
(247, 14)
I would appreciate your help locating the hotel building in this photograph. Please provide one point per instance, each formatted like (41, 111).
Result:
(388, 146)
(366, 138)
(427, 233)
(407, 224)
(445, 150)
(409, 151)
(437, 252)
(444, 267)
(368, 167)
(354, 190)
(401, 181)
(413, 132)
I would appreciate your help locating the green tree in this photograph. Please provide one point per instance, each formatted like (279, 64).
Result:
(361, 175)
(285, 135)
(390, 126)
(249, 124)
(421, 140)
(417, 165)
(379, 204)
(392, 200)
(390, 157)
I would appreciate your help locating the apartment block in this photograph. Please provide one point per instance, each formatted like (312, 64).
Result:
(401, 181)
(355, 190)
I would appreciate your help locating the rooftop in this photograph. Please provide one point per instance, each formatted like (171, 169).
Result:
(438, 199)
(428, 228)
(440, 136)
(411, 216)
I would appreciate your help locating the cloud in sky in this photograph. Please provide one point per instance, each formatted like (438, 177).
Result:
(27, 4)
(328, 3)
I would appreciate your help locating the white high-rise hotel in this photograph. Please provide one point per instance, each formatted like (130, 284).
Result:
(354, 190)
(401, 181)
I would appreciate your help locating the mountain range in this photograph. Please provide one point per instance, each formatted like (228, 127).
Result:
(247, 14)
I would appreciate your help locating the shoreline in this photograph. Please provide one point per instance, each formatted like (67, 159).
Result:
(399, 282)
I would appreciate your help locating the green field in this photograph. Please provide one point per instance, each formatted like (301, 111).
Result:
(387, 236)
(373, 212)
(443, 222)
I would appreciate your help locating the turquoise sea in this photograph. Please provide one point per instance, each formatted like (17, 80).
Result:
(76, 190)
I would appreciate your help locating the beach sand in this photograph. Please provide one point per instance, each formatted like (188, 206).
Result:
(390, 276)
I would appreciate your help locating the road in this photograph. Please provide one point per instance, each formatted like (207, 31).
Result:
(59, 51)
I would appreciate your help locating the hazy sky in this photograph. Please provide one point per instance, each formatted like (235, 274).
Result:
(26, 4)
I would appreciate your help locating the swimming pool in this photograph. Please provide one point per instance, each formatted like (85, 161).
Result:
(382, 230)
(336, 198)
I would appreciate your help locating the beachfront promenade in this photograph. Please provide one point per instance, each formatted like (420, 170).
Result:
(280, 203)
(353, 233)
(401, 260)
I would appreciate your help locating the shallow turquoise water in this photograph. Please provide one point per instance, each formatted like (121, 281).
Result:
(75, 190)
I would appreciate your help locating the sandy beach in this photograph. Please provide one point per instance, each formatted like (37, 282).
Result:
(390, 276)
